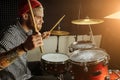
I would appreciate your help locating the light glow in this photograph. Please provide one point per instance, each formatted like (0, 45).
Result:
(114, 15)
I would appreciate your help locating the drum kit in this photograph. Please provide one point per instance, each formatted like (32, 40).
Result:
(86, 62)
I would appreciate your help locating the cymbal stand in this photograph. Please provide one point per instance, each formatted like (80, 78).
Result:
(57, 49)
(76, 38)
(79, 13)
(91, 35)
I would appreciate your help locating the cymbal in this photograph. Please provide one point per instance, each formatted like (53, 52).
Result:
(87, 21)
(59, 33)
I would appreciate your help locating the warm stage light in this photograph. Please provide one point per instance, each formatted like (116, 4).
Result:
(115, 15)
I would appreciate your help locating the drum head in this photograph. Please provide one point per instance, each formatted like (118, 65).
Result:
(89, 55)
(55, 57)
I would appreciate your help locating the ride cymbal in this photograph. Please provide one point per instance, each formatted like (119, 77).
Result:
(86, 21)
(59, 33)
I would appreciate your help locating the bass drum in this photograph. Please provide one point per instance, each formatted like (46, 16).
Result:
(90, 64)
(81, 45)
(55, 63)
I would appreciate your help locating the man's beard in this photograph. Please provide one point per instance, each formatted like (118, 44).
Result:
(39, 27)
(31, 26)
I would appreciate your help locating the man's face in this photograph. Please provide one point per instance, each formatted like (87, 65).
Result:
(38, 16)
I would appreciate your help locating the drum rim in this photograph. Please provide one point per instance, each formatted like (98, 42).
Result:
(51, 62)
(89, 63)
(90, 50)
(104, 58)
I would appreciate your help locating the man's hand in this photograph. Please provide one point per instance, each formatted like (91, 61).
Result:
(45, 34)
(33, 41)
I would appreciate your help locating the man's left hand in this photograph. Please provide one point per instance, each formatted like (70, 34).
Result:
(45, 34)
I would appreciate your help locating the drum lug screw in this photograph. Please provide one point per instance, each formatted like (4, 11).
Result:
(86, 68)
(107, 78)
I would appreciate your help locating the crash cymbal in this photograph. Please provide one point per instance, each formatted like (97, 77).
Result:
(87, 21)
(59, 33)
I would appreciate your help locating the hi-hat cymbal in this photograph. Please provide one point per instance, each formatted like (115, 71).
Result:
(59, 33)
(87, 21)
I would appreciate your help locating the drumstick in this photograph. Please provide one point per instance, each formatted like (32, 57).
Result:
(57, 23)
(35, 27)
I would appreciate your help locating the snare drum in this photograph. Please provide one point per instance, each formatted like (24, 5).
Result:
(55, 63)
(90, 64)
(81, 45)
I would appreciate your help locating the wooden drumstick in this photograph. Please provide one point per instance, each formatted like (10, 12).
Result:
(35, 27)
(57, 23)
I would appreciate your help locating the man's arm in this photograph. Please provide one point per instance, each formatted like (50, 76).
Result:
(8, 57)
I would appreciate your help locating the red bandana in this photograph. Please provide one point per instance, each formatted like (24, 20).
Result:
(24, 6)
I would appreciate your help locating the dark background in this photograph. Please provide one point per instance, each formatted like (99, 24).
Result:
(55, 9)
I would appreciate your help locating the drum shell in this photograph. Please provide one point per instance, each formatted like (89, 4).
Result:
(95, 72)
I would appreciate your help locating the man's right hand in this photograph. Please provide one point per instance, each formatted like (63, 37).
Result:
(33, 41)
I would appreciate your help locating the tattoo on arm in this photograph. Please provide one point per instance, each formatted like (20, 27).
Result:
(7, 58)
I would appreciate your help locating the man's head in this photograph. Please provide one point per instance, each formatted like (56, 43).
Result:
(25, 14)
